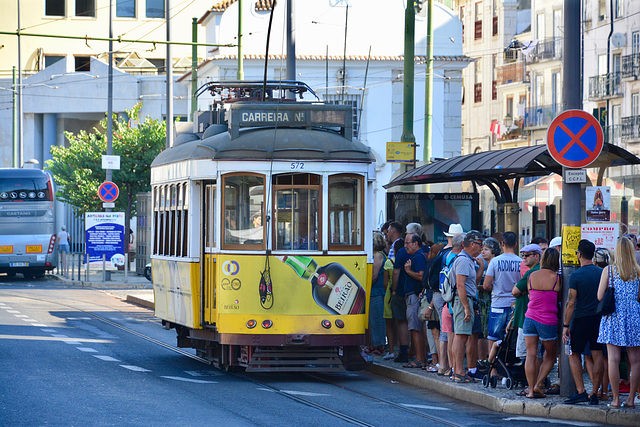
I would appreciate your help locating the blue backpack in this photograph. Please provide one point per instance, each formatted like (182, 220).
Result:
(447, 281)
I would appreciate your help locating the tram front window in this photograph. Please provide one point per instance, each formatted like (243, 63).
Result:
(243, 210)
(345, 212)
(297, 211)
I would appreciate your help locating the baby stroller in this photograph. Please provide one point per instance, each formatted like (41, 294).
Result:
(506, 363)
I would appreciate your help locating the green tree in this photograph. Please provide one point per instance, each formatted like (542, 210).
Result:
(77, 169)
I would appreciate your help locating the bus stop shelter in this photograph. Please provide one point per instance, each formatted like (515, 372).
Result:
(496, 168)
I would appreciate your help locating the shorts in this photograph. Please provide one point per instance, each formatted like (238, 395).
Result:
(398, 308)
(521, 346)
(387, 304)
(498, 319)
(445, 324)
(584, 330)
(413, 307)
(477, 321)
(63, 247)
(532, 328)
(459, 325)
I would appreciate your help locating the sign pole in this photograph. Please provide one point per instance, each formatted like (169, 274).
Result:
(571, 197)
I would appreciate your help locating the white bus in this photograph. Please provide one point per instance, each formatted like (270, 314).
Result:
(27, 222)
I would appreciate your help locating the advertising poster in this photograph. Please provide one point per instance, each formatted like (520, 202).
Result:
(598, 204)
(105, 235)
(570, 240)
(602, 235)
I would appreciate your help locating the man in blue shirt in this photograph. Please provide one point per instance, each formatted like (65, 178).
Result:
(414, 268)
(398, 304)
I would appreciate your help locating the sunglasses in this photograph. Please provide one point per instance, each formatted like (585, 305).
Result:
(528, 255)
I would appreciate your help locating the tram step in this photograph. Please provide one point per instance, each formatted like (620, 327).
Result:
(295, 361)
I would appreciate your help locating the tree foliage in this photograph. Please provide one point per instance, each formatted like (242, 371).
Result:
(77, 169)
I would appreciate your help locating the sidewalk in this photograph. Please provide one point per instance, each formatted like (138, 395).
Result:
(138, 290)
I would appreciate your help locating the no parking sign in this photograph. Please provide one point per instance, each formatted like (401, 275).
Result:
(575, 139)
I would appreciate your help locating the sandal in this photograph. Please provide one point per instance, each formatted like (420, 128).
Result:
(522, 393)
(414, 364)
(463, 379)
(431, 368)
(554, 389)
(445, 372)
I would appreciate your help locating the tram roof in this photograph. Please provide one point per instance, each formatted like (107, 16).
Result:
(269, 144)
(503, 165)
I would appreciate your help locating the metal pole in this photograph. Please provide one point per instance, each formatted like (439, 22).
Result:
(572, 95)
(73, 267)
(104, 267)
(240, 58)
(428, 109)
(291, 44)
(409, 66)
(194, 68)
(169, 77)
(20, 106)
(110, 93)
(15, 120)
(126, 266)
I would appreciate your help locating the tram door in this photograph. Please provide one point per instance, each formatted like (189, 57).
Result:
(209, 257)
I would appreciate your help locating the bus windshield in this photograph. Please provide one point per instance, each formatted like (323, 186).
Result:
(26, 189)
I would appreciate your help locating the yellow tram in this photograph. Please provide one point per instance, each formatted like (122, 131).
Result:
(262, 248)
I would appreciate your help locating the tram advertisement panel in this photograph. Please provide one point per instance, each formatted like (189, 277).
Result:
(293, 284)
(105, 236)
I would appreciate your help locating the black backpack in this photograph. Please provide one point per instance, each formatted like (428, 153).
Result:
(431, 279)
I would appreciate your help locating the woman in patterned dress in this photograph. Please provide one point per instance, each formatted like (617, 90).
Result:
(620, 328)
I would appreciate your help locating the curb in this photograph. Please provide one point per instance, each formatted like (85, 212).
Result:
(513, 407)
(101, 285)
(141, 302)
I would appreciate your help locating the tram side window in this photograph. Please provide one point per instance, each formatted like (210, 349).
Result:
(184, 212)
(156, 220)
(170, 215)
(210, 203)
(346, 196)
(243, 211)
(297, 211)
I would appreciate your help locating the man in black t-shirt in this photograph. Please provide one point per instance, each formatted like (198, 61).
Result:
(581, 305)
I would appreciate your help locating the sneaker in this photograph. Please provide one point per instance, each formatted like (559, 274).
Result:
(577, 398)
(389, 356)
(593, 399)
(476, 375)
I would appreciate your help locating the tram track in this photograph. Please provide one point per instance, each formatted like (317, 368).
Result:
(335, 413)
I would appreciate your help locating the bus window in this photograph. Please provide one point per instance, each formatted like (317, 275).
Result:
(345, 212)
(296, 211)
(243, 211)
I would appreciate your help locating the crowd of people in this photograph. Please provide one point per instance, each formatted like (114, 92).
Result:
(500, 289)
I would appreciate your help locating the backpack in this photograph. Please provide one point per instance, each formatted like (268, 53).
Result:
(431, 278)
(447, 281)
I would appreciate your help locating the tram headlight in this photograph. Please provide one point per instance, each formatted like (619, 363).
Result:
(326, 324)
(340, 323)
(251, 324)
(266, 324)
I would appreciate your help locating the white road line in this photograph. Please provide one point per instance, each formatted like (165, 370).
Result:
(8, 308)
(204, 373)
(87, 349)
(39, 324)
(30, 320)
(78, 318)
(433, 408)
(51, 331)
(190, 380)
(12, 311)
(550, 420)
(72, 342)
(106, 358)
(135, 368)
(20, 315)
(66, 336)
(304, 393)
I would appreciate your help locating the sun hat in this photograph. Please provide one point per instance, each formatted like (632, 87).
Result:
(556, 241)
(453, 230)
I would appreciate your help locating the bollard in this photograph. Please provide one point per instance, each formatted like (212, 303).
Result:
(86, 268)
(73, 271)
(126, 266)
(79, 265)
(104, 267)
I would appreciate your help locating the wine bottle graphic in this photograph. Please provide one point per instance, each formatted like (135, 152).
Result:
(332, 286)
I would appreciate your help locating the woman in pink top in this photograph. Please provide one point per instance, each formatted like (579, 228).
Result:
(541, 320)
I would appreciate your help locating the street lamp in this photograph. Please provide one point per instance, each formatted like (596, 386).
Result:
(508, 120)
(30, 162)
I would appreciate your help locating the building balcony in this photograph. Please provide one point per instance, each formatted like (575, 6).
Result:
(547, 50)
(612, 134)
(630, 127)
(511, 73)
(515, 133)
(605, 86)
(541, 115)
(631, 66)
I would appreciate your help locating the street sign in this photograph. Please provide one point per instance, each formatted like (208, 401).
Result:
(108, 191)
(108, 205)
(575, 176)
(401, 152)
(110, 162)
(575, 139)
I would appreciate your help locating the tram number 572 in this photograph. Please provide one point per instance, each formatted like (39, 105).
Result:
(297, 166)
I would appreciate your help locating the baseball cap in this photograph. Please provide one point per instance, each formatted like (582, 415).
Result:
(533, 247)
(556, 241)
(453, 230)
(473, 236)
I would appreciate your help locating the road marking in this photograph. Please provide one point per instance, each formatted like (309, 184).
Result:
(135, 368)
(30, 320)
(11, 311)
(190, 380)
(433, 408)
(19, 315)
(105, 358)
(39, 324)
(87, 349)
(204, 373)
(8, 308)
(60, 336)
(78, 318)
(51, 331)
(35, 338)
(72, 342)
(550, 420)
(303, 393)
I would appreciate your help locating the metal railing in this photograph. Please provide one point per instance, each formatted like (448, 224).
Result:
(541, 115)
(631, 65)
(630, 127)
(511, 73)
(547, 49)
(605, 86)
(612, 134)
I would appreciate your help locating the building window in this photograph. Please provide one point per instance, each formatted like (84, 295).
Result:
(462, 20)
(618, 6)
(243, 200)
(635, 104)
(495, 17)
(540, 27)
(49, 60)
(354, 101)
(346, 212)
(494, 83)
(635, 42)
(82, 63)
(54, 7)
(477, 80)
(602, 10)
(85, 8)
(478, 21)
(126, 8)
(297, 210)
(155, 8)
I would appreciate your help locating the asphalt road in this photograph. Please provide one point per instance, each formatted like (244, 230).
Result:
(72, 356)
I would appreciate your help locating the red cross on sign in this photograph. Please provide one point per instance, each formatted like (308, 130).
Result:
(108, 192)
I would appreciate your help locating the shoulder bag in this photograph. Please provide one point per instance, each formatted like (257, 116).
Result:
(608, 303)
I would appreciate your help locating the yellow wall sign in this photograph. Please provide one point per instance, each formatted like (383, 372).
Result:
(401, 152)
(34, 249)
(570, 238)
(6, 249)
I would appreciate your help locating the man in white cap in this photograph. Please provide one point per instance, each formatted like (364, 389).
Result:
(556, 242)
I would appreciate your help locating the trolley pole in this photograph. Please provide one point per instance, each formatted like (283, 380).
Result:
(571, 197)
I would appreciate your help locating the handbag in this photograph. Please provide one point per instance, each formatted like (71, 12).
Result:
(424, 304)
(608, 303)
